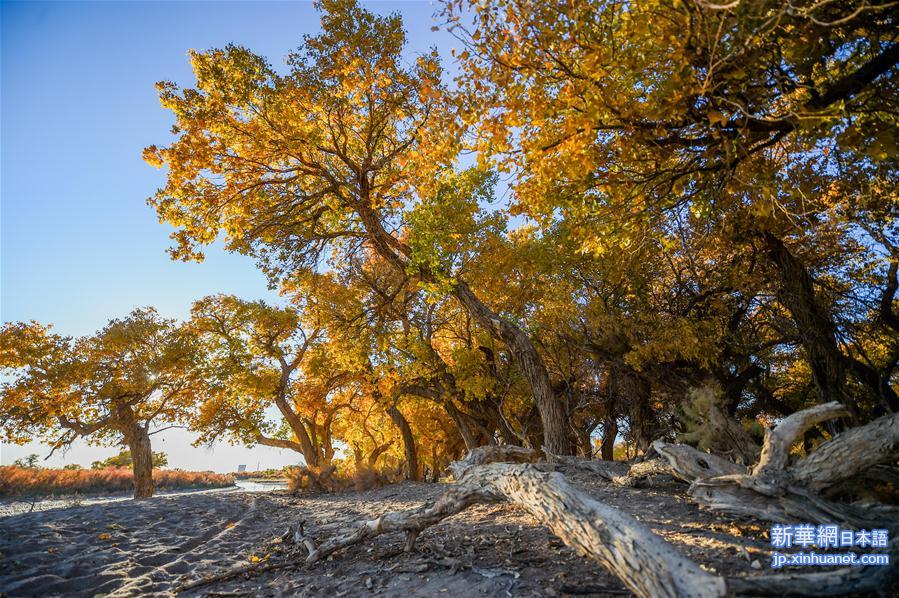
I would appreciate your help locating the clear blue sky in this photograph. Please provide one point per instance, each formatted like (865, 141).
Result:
(78, 244)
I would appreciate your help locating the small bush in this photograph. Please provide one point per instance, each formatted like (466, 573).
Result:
(22, 482)
(708, 428)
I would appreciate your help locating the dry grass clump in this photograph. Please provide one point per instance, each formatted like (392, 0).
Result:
(265, 474)
(21, 481)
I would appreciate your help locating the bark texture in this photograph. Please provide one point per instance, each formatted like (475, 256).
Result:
(816, 330)
(412, 471)
(776, 490)
(138, 440)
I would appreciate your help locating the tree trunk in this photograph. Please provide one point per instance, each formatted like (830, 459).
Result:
(310, 454)
(553, 413)
(138, 441)
(642, 416)
(409, 450)
(816, 330)
(376, 454)
(609, 433)
(453, 412)
(499, 420)
(584, 444)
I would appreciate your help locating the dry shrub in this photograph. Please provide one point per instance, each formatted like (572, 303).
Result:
(340, 476)
(20, 482)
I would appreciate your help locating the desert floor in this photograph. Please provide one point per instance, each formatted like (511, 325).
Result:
(125, 548)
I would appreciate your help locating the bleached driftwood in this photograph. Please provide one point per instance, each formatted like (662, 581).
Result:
(505, 453)
(607, 470)
(642, 471)
(776, 490)
(644, 562)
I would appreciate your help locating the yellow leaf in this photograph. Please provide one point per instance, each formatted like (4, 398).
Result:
(716, 117)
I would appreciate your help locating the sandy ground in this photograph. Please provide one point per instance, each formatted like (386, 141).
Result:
(9, 507)
(125, 548)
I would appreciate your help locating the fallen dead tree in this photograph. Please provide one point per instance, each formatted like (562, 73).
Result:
(646, 563)
(776, 490)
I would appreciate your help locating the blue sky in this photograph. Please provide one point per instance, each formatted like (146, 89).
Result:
(78, 244)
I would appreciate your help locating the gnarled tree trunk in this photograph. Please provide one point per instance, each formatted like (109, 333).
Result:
(409, 450)
(138, 440)
(609, 433)
(461, 426)
(553, 413)
(816, 331)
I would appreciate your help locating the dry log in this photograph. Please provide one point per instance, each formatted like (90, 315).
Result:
(605, 469)
(776, 448)
(776, 492)
(748, 495)
(641, 471)
(644, 562)
(504, 453)
(690, 465)
(849, 453)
